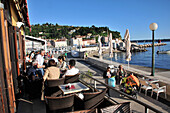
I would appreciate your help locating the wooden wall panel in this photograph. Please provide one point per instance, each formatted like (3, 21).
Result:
(6, 64)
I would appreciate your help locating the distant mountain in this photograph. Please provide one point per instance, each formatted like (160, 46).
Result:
(51, 31)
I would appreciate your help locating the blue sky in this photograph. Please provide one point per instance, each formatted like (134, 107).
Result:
(118, 15)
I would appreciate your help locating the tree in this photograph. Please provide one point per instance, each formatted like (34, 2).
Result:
(57, 32)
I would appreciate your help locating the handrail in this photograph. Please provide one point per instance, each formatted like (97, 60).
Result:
(145, 105)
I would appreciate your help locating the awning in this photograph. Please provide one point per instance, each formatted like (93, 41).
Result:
(36, 39)
(44, 42)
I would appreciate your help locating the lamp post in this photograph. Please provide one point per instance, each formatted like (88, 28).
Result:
(153, 27)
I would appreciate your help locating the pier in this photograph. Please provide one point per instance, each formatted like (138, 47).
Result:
(150, 45)
(156, 40)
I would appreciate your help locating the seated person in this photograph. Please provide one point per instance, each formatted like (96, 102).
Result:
(27, 59)
(72, 70)
(52, 57)
(32, 72)
(61, 64)
(52, 72)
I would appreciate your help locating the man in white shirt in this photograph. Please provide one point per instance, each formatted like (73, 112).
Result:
(40, 59)
(52, 57)
(72, 70)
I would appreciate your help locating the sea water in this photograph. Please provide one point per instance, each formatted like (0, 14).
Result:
(145, 58)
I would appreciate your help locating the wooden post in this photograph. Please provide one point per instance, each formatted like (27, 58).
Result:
(5, 48)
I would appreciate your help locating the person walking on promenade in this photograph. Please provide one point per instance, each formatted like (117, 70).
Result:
(120, 74)
(52, 72)
(107, 75)
(40, 59)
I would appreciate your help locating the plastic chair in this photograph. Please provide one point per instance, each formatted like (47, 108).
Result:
(158, 90)
(60, 104)
(145, 86)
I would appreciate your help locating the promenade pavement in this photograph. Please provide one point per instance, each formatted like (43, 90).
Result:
(136, 108)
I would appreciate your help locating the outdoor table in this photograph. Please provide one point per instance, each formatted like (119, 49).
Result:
(75, 87)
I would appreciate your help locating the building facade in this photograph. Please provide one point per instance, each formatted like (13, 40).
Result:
(61, 43)
(13, 19)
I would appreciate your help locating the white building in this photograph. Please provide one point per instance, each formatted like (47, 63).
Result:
(76, 41)
(61, 43)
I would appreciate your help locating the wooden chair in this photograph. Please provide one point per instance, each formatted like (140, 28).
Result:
(145, 86)
(72, 78)
(158, 90)
(59, 104)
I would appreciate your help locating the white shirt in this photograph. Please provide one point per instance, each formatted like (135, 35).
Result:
(27, 59)
(40, 59)
(32, 55)
(56, 60)
(72, 71)
(108, 74)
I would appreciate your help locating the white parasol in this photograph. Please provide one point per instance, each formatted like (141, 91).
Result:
(110, 46)
(127, 46)
(100, 46)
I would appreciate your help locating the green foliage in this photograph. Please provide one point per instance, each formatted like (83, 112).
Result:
(88, 73)
(51, 31)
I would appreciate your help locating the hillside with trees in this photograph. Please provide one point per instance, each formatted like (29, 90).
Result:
(51, 31)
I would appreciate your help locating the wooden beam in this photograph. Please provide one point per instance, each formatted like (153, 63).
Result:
(16, 49)
(6, 60)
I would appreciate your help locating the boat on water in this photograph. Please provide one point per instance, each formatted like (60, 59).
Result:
(75, 53)
(163, 52)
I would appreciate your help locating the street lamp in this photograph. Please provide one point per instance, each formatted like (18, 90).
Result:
(153, 27)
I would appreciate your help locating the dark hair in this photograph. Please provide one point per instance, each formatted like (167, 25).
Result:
(72, 62)
(42, 50)
(120, 66)
(63, 58)
(60, 57)
(51, 63)
(108, 68)
(31, 53)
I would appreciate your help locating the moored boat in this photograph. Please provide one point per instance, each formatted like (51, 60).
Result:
(74, 53)
(163, 52)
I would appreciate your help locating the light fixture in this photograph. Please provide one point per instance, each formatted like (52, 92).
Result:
(153, 27)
